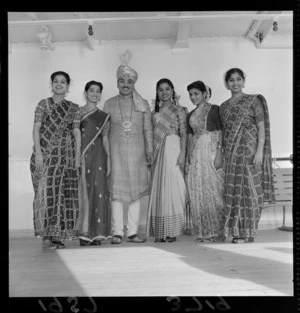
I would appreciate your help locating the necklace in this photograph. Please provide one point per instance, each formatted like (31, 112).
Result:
(233, 100)
(88, 109)
(126, 124)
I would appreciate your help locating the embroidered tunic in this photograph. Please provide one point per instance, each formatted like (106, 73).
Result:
(128, 180)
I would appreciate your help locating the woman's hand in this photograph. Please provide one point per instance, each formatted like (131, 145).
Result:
(77, 161)
(149, 160)
(258, 158)
(218, 161)
(39, 161)
(186, 171)
(181, 162)
(108, 167)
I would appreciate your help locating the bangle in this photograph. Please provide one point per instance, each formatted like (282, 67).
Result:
(261, 140)
(219, 146)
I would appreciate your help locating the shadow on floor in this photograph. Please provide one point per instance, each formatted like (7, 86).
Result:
(30, 268)
(234, 262)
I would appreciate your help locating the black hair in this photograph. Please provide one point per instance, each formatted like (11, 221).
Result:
(197, 85)
(66, 75)
(200, 86)
(162, 81)
(232, 71)
(93, 82)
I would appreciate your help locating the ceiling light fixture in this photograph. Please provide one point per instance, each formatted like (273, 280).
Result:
(90, 30)
(275, 26)
(45, 37)
(90, 36)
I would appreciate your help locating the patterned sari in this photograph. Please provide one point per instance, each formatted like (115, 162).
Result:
(205, 183)
(247, 186)
(94, 216)
(55, 186)
(168, 191)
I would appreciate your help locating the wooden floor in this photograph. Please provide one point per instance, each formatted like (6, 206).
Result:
(183, 268)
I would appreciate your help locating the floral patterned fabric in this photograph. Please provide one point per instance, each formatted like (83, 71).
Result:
(55, 204)
(205, 183)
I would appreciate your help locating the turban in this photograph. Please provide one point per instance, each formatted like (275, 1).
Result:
(125, 70)
(139, 103)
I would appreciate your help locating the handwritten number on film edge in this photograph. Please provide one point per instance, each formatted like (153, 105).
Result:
(56, 306)
(221, 305)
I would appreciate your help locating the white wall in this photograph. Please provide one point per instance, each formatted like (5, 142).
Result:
(268, 71)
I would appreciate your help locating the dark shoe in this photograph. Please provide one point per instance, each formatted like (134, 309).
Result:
(116, 240)
(59, 244)
(171, 239)
(48, 245)
(221, 238)
(239, 240)
(83, 242)
(96, 243)
(205, 240)
(159, 240)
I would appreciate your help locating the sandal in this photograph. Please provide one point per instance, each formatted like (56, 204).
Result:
(135, 239)
(239, 240)
(96, 243)
(221, 238)
(207, 240)
(116, 240)
(48, 245)
(159, 240)
(59, 244)
(171, 239)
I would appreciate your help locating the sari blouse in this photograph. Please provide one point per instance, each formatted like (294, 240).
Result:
(213, 121)
(178, 125)
(254, 115)
(82, 111)
(43, 109)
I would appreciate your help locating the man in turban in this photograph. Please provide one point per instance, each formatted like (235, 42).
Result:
(131, 147)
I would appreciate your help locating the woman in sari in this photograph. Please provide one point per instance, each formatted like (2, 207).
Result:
(94, 221)
(205, 176)
(54, 165)
(247, 158)
(167, 200)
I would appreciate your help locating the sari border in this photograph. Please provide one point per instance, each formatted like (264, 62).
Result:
(163, 124)
(97, 134)
(88, 114)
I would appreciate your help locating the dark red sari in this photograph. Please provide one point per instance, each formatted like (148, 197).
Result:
(95, 213)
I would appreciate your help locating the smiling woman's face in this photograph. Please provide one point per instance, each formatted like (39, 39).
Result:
(60, 85)
(164, 92)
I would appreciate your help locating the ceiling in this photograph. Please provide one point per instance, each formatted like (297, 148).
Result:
(180, 26)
